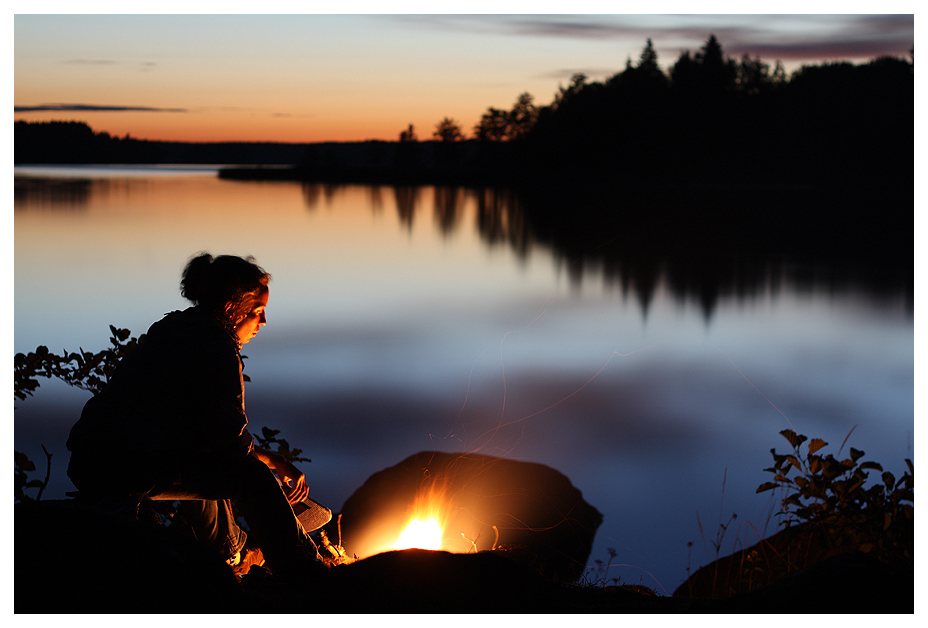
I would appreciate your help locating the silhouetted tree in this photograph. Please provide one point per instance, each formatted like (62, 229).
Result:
(523, 116)
(497, 125)
(708, 73)
(408, 135)
(684, 74)
(448, 152)
(644, 80)
(779, 77)
(577, 82)
(493, 126)
(447, 130)
(648, 71)
(718, 72)
(753, 75)
(648, 59)
(408, 151)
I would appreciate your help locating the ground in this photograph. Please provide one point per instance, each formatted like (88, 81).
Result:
(69, 559)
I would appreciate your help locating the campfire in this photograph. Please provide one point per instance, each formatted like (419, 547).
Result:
(479, 503)
(421, 535)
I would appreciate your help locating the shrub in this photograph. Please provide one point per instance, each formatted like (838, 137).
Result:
(833, 495)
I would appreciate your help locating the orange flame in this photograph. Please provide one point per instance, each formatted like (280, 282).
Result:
(420, 534)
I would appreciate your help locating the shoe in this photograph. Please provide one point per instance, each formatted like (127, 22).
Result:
(243, 561)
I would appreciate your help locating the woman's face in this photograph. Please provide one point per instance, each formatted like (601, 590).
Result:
(248, 327)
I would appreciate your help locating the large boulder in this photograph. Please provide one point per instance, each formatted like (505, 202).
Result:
(529, 510)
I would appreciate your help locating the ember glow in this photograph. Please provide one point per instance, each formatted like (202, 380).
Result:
(420, 534)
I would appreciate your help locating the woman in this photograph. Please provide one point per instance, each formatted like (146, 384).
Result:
(171, 423)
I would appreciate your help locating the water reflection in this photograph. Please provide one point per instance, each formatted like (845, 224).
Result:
(58, 194)
(390, 336)
(704, 247)
(501, 218)
(449, 203)
(407, 198)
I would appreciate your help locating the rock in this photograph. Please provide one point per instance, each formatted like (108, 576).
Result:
(481, 503)
(71, 558)
(849, 583)
(798, 570)
(426, 581)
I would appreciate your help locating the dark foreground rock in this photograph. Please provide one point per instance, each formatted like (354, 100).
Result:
(803, 568)
(483, 503)
(73, 559)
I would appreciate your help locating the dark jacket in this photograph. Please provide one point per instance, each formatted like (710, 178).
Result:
(177, 399)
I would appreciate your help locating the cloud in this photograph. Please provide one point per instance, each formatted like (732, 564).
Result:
(843, 37)
(90, 62)
(785, 37)
(580, 27)
(574, 29)
(144, 65)
(567, 74)
(821, 50)
(82, 107)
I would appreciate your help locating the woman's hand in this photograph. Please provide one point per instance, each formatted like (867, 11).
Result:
(292, 478)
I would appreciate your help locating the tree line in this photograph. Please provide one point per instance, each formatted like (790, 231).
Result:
(711, 120)
(707, 120)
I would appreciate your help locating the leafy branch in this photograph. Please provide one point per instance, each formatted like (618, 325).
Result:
(82, 369)
(268, 439)
(21, 482)
(833, 494)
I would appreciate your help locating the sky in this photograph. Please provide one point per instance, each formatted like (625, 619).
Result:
(356, 77)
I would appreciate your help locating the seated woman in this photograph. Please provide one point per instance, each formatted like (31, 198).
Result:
(171, 424)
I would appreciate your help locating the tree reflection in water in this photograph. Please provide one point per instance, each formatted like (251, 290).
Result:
(704, 245)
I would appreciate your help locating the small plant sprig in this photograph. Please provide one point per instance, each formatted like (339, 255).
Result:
(268, 439)
(22, 467)
(600, 575)
(82, 369)
(834, 495)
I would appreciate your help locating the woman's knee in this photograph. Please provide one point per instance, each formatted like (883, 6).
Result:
(255, 475)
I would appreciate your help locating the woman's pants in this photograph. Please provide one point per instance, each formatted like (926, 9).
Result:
(203, 491)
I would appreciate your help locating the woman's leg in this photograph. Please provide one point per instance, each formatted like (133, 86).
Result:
(269, 516)
(214, 524)
(260, 500)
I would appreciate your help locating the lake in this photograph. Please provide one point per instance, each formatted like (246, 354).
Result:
(412, 319)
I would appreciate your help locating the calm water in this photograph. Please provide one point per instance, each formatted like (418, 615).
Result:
(398, 322)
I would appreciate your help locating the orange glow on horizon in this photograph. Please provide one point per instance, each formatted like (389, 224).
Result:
(327, 122)
(217, 129)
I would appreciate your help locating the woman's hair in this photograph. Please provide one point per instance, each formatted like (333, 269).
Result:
(212, 282)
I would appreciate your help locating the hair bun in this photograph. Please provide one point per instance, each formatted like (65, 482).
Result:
(214, 281)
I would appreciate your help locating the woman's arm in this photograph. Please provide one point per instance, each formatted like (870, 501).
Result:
(288, 474)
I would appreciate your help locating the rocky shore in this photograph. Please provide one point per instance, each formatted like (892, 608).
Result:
(74, 559)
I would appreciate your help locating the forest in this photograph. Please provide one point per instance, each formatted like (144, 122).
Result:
(709, 120)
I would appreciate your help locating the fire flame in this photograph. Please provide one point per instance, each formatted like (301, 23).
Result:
(421, 535)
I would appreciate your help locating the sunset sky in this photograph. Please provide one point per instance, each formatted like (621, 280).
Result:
(308, 78)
